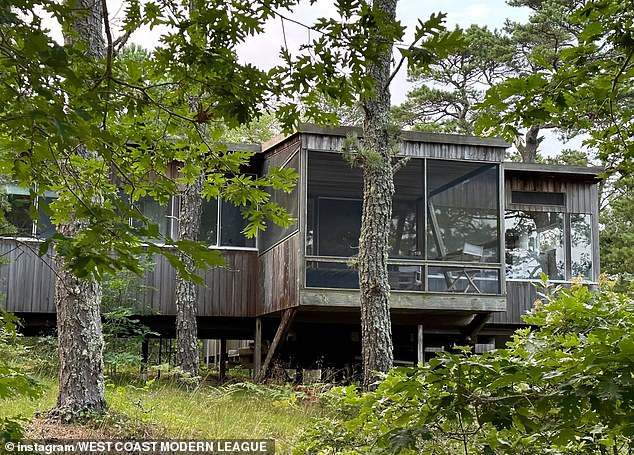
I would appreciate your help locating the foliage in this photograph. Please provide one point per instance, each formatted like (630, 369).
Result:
(589, 89)
(13, 383)
(565, 387)
(132, 109)
(447, 91)
(123, 332)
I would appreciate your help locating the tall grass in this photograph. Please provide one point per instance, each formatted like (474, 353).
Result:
(237, 411)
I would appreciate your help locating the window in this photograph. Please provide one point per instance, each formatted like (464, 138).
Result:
(228, 222)
(289, 201)
(535, 245)
(538, 197)
(581, 245)
(19, 210)
(155, 213)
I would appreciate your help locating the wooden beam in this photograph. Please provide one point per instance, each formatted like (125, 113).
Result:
(285, 323)
(257, 348)
(421, 346)
(223, 360)
(470, 332)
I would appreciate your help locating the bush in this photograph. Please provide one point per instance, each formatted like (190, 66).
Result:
(566, 387)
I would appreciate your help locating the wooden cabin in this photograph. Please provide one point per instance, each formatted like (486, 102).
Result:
(470, 234)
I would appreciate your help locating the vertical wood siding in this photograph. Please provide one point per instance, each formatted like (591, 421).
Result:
(27, 284)
(280, 276)
(26, 280)
(520, 298)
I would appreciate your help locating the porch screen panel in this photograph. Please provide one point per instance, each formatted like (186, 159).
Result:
(334, 206)
(290, 201)
(463, 211)
(408, 212)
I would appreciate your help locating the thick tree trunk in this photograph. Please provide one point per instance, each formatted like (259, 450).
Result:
(378, 189)
(186, 290)
(528, 150)
(80, 339)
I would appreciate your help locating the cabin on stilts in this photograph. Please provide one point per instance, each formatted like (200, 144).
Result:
(469, 237)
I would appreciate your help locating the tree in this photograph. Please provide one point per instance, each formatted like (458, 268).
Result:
(378, 189)
(101, 132)
(447, 92)
(589, 90)
(77, 299)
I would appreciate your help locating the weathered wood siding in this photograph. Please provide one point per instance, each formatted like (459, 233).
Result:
(520, 297)
(26, 279)
(27, 284)
(229, 291)
(581, 196)
(438, 146)
(280, 276)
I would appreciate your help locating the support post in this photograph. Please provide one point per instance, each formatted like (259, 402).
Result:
(257, 348)
(421, 346)
(285, 323)
(223, 360)
(145, 354)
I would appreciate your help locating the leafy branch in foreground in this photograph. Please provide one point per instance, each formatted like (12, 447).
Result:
(565, 387)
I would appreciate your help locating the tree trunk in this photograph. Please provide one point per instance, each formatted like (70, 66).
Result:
(186, 291)
(378, 189)
(80, 339)
(528, 150)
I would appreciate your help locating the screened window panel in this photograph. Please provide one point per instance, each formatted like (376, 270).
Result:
(462, 208)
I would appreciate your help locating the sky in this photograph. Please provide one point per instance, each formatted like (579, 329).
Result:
(263, 50)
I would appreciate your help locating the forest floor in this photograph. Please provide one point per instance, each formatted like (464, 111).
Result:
(163, 410)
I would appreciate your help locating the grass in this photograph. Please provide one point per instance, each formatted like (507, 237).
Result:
(237, 411)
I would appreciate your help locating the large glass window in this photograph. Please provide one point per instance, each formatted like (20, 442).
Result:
(208, 232)
(535, 245)
(581, 245)
(232, 223)
(155, 213)
(463, 211)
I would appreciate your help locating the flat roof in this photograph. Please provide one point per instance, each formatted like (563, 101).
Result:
(591, 172)
(409, 136)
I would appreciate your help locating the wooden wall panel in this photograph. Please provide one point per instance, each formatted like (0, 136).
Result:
(280, 276)
(27, 284)
(520, 297)
(27, 281)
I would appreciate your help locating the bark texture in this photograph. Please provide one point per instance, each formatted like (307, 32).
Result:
(80, 339)
(79, 333)
(528, 150)
(378, 189)
(186, 291)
